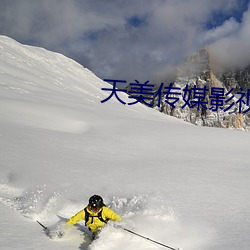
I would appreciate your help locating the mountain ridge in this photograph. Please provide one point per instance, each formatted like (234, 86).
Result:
(200, 71)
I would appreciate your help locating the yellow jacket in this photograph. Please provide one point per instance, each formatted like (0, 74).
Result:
(94, 223)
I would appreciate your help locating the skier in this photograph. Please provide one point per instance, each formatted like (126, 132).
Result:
(95, 214)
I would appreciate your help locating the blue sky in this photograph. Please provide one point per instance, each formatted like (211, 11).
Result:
(218, 17)
(131, 39)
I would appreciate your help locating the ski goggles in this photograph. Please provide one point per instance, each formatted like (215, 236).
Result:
(94, 208)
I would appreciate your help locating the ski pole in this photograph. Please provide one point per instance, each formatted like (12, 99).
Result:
(146, 238)
(45, 228)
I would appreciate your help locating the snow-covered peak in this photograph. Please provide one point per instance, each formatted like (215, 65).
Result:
(52, 83)
(25, 69)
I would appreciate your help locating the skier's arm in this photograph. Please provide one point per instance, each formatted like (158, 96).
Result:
(110, 214)
(77, 217)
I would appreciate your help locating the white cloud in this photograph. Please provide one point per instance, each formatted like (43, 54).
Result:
(233, 49)
(98, 34)
(226, 29)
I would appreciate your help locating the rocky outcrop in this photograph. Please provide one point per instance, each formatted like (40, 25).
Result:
(208, 97)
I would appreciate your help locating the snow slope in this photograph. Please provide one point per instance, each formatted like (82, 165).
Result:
(176, 183)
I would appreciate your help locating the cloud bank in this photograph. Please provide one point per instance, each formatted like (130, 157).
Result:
(132, 39)
(233, 49)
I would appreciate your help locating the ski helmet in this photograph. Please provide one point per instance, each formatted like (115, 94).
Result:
(95, 202)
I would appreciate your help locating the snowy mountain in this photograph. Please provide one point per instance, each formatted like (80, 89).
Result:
(236, 78)
(200, 71)
(182, 185)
